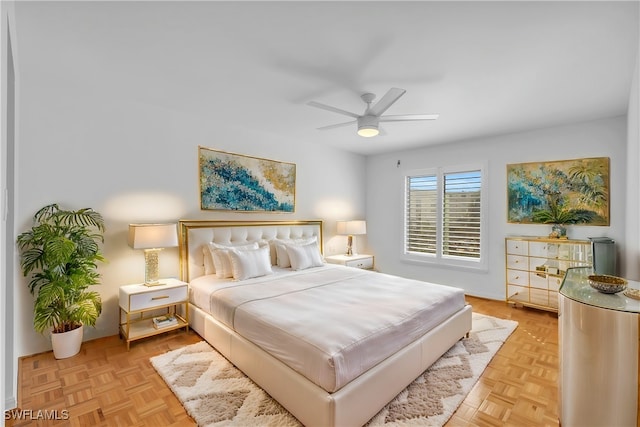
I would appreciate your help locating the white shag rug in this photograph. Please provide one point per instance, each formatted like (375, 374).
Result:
(216, 393)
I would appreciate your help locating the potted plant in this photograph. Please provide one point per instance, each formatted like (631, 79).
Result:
(558, 214)
(60, 254)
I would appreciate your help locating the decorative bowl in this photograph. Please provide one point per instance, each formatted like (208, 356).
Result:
(607, 284)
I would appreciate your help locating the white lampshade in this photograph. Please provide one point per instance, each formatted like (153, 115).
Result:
(153, 236)
(352, 227)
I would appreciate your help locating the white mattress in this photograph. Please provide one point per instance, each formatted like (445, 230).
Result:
(328, 323)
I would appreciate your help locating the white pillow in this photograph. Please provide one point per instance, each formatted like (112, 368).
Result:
(221, 260)
(304, 256)
(282, 257)
(250, 263)
(209, 267)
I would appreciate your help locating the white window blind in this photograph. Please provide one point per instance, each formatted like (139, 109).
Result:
(443, 214)
(461, 214)
(422, 214)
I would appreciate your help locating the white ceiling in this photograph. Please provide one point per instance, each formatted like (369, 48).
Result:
(486, 67)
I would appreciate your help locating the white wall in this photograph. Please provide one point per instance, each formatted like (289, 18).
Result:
(8, 361)
(133, 162)
(632, 254)
(601, 138)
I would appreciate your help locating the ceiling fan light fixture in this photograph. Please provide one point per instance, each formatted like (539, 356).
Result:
(368, 131)
(368, 126)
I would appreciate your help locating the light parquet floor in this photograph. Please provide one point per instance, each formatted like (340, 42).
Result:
(520, 385)
(106, 385)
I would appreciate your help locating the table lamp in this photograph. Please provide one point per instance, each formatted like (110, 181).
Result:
(351, 228)
(152, 238)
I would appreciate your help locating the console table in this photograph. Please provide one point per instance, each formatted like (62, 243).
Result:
(598, 349)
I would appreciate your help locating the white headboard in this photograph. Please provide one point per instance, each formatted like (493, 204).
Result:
(195, 234)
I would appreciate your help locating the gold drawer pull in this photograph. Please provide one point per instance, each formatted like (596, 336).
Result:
(160, 297)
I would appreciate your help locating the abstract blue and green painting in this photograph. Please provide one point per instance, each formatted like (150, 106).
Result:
(242, 183)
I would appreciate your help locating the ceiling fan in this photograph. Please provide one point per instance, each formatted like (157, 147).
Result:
(368, 122)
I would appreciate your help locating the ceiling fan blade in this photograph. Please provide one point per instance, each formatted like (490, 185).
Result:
(333, 109)
(408, 118)
(338, 125)
(386, 101)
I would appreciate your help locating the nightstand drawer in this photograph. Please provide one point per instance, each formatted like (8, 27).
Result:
(154, 298)
(366, 263)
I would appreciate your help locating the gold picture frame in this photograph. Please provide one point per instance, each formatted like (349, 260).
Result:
(559, 192)
(236, 182)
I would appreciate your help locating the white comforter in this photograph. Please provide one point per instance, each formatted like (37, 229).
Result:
(329, 323)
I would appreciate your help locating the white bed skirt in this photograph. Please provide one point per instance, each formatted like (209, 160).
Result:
(355, 403)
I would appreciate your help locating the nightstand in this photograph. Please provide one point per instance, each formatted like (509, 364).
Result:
(358, 261)
(139, 304)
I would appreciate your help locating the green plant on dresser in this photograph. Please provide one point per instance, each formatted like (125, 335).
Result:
(59, 254)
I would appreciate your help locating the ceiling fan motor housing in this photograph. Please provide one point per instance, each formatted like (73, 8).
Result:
(368, 126)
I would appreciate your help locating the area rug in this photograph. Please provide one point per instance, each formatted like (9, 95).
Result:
(215, 393)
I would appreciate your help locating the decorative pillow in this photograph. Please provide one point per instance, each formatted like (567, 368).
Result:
(304, 256)
(221, 260)
(282, 257)
(209, 267)
(250, 263)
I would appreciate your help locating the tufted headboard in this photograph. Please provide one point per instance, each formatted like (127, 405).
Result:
(195, 234)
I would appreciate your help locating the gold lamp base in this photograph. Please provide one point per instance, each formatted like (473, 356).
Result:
(151, 267)
(350, 245)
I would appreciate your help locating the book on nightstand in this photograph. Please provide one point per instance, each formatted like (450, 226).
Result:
(164, 321)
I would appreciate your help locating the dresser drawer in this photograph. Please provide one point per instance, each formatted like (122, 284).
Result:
(517, 277)
(154, 298)
(517, 247)
(540, 265)
(542, 249)
(366, 263)
(538, 280)
(517, 262)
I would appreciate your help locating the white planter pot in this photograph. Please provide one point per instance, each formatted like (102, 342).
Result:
(67, 344)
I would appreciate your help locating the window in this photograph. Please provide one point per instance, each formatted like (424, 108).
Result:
(443, 215)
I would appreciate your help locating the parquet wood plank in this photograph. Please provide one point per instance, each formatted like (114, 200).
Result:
(106, 385)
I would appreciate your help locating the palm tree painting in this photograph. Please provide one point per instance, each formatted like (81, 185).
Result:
(559, 192)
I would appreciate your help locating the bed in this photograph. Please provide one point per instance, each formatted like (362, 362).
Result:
(334, 351)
